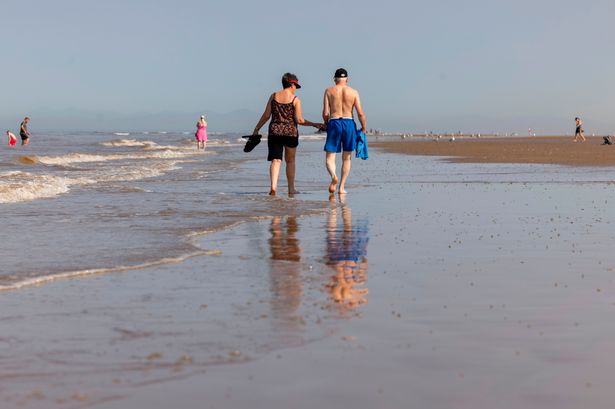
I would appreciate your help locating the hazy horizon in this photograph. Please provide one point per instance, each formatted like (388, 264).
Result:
(442, 66)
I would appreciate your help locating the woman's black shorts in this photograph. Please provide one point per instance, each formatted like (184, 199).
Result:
(276, 144)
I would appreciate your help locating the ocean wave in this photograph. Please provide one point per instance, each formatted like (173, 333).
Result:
(135, 172)
(32, 281)
(18, 186)
(127, 142)
(314, 137)
(121, 133)
(71, 158)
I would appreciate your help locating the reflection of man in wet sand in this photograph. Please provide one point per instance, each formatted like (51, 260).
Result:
(346, 254)
(286, 280)
(339, 102)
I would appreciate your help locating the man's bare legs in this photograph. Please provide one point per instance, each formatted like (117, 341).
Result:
(346, 159)
(274, 172)
(289, 157)
(330, 162)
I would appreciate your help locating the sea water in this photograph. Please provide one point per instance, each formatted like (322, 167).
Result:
(78, 203)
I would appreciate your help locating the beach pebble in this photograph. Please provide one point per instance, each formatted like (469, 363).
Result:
(82, 397)
(184, 359)
(235, 354)
(154, 356)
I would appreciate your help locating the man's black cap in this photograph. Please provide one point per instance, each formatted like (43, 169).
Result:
(341, 73)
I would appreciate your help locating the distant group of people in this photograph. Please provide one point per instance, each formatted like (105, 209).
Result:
(283, 109)
(23, 133)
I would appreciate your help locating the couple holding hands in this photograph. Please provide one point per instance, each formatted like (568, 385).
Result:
(284, 110)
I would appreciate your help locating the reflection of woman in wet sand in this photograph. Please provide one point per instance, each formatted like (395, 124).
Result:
(346, 254)
(286, 281)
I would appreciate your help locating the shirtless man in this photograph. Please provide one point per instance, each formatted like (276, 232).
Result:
(339, 101)
(23, 131)
(579, 130)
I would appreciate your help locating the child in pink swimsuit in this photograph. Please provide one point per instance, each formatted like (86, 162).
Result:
(201, 133)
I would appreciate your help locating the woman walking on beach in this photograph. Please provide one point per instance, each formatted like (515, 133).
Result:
(284, 109)
(201, 133)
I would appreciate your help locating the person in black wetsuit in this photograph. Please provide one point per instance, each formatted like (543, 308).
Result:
(23, 131)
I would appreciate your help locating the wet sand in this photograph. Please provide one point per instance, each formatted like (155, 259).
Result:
(432, 285)
(554, 150)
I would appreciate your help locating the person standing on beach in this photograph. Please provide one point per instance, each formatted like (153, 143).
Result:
(23, 131)
(339, 102)
(579, 130)
(284, 109)
(12, 138)
(201, 133)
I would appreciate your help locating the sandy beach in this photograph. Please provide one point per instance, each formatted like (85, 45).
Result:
(431, 285)
(555, 150)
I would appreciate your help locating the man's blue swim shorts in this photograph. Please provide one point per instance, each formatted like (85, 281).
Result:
(341, 135)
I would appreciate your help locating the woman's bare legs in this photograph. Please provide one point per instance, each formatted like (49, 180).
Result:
(289, 157)
(274, 172)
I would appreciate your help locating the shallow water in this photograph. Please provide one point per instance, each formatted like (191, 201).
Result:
(74, 204)
(432, 285)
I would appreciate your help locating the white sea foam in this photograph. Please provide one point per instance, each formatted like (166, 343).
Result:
(128, 142)
(158, 152)
(71, 158)
(121, 133)
(313, 137)
(82, 273)
(18, 187)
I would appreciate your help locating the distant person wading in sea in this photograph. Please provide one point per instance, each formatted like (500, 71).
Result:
(284, 109)
(201, 133)
(339, 102)
(579, 130)
(12, 139)
(23, 131)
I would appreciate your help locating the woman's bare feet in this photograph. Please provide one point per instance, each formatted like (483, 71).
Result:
(272, 192)
(333, 184)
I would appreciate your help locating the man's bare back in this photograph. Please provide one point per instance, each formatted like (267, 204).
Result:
(339, 102)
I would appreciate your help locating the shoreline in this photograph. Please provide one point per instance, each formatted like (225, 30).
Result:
(546, 150)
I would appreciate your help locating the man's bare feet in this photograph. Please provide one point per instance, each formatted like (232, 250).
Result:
(333, 184)
(272, 192)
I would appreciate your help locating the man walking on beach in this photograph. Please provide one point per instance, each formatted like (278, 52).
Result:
(338, 105)
(579, 130)
(23, 131)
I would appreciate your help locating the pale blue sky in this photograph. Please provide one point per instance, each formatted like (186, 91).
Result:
(442, 65)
